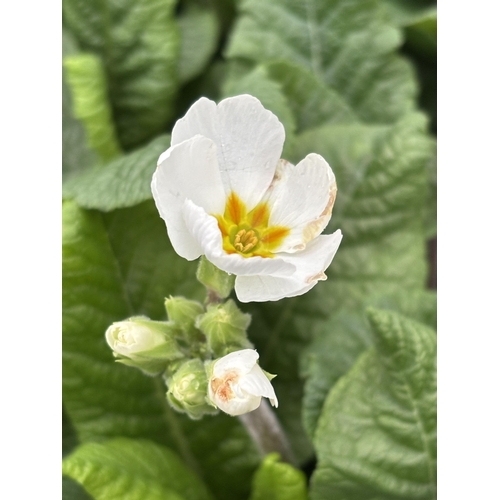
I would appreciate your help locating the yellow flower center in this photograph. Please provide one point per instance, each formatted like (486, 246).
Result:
(249, 233)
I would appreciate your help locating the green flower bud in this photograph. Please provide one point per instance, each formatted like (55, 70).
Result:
(216, 280)
(144, 344)
(225, 327)
(188, 390)
(183, 313)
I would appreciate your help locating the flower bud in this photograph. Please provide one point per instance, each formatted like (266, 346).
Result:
(145, 344)
(188, 387)
(183, 313)
(237, 383)
(225, 327)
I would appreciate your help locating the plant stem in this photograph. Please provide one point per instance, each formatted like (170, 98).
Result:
(266, 431)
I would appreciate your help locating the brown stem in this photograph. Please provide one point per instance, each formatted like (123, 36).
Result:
(266, 431)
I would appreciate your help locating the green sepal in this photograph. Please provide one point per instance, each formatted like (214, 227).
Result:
(188, 389)
(216, 280)
(183, 312)
(225, 327)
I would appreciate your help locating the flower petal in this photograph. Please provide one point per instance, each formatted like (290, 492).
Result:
(243, 361)
(205, 231)
(257, 384)
(249, 141)
(310, 264)
(188, 170)
(301, 197)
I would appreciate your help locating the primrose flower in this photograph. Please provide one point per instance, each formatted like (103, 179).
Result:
(237, 383)
(224, 192)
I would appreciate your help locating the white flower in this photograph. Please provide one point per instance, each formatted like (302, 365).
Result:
(224, 193)
(237, 383)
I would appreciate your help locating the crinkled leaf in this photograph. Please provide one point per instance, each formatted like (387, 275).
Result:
(116, 266)
(71, 490)
(138, 41)
(405, 13)
(376, 436)
(346, 335)
(87, 80)
(312, 101)
(347, 44)
(121, 183)
(199, 34)
(275, 480)
(76, 152)
(135, 469)
(381, 174)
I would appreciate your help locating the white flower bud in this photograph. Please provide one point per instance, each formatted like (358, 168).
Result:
(237, 383)
(145, 344)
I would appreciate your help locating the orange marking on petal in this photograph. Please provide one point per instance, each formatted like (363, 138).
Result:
(235, 208)
(275, 235)
(260, 215)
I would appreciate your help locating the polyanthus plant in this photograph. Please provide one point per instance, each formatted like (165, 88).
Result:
(256, 220)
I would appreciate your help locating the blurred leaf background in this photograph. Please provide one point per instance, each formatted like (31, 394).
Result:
(352, 80)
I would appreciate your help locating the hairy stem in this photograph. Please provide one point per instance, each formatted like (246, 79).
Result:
(266, 431)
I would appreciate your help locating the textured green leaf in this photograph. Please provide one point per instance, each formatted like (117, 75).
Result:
(135, 469)
(376, 436)
(121, 183)
(76, 152)
(138, 41)
(311, 100)
(199, 33)
(71, 490)
(347, 44)
(404, 13)
(381, 174)
(278, 481)
(116, 266)
(86, 78)
(346, 335)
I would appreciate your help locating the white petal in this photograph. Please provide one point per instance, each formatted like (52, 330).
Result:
(301, 197)
(257, 384)
(310, 264)
(249, 142)
(243, 360)
(239, 406)
(187, 171)
(205, 231)
(200, 119)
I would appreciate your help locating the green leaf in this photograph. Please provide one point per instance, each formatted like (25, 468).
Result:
(71, 490)
(376, 436)
(115, 266)
(123, 182)
(346, 335)
(381, 174)
(347, 44)
(124, 468)
(404, 13)
(199, 33)
(278, 481)
(138, 42)
(76, 152)
(312, 101)
(87, 80)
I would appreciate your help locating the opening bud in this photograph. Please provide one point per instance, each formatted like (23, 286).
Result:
(237, 383)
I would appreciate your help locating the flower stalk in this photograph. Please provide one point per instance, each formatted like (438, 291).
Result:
(265, 429)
